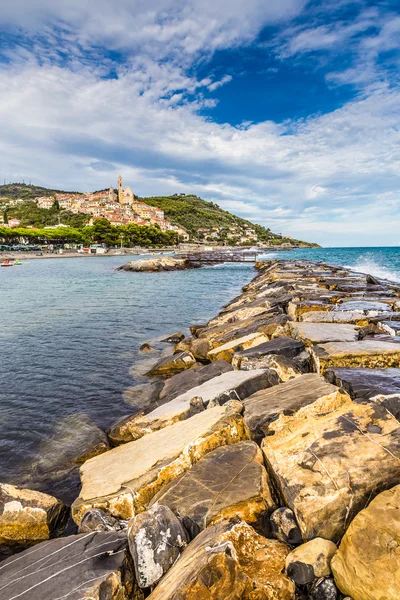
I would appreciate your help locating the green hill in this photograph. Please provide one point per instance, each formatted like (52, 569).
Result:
(204, 221)
(193, 213)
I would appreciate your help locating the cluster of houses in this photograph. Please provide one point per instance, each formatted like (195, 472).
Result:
(236, 233)
(119, 207)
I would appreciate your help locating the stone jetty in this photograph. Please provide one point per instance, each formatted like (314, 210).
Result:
(265, 465)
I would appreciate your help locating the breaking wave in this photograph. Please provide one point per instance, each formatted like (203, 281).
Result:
(372, 267)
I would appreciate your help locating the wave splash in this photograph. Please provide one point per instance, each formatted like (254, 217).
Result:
(372, 267)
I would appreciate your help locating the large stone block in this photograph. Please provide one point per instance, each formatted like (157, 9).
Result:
(28, 517)
(94, 566)
(182, 382)
(227, 562)
(231, 385)
(125, 479)
(320, 333)
(265, 406)
(173, 364)
(367, 564)
(370, 353)
(329, 458)
(227, 483)
(226, 351)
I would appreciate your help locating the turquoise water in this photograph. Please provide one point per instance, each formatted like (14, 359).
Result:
(70, 334)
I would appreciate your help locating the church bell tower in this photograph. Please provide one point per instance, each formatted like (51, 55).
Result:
(121, 197)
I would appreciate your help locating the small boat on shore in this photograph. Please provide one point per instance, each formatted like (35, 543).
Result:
(7, 263)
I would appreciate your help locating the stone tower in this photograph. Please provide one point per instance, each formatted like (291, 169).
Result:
(121, 197)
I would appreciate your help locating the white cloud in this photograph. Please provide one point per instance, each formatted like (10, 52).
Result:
(332, 178)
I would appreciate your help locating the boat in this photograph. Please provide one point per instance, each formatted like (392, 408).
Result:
(7, 263)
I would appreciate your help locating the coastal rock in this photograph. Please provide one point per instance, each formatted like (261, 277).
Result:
(329, 458)
(228, 561)
(156, 540)
(147, 348)
(174, 338)
(173, 364)
(310, 561)
(280, 346)
(230, 482)
(198, 347)
(143, 395)
(296, 310)
(367, 564)
(369, 307)
(28, 517)
(96, 566)
(285, 368)
(345, 316)
(241, 314)
(376, 385)
(269, 326)
(124, 480)
(182, 382)
(98, 520)
(370, 353)
(324, 589)
(265, 406)
(226, 351)
(154, 264)
(284, 527)
(320, 333)
(234, 384)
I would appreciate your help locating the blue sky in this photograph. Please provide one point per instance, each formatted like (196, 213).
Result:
(286, 113)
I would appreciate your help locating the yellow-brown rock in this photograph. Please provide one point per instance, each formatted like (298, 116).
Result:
(125, 479)
(367, 564)
(329, 458)
(310, 561)
(370, 353)
(226, 351)
(228, 562)
(28, 516)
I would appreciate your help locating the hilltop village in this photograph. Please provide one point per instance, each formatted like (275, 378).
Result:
(119, 207)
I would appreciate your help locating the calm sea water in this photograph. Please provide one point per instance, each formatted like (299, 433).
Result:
(70, 333)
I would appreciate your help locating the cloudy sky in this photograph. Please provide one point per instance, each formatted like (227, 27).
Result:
(286, 112)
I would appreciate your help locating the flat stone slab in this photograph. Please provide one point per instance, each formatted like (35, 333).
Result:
(370, 353)
(343, 316)
(391, 327)
(364, 305)
(182, 382)
(227, 483)
(76, 567)
(228, 561)
(319, 333)
(233, 385)
(329, 459)
(226, 351)
(377, 385)
(125, 479)
(281, 346)
(173, 364)
(265, 406)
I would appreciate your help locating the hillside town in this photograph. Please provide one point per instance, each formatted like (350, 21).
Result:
(119, 207)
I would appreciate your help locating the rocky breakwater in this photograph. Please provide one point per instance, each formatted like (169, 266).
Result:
(265, 466)
(156, 263)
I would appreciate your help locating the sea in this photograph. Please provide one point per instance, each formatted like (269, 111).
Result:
(70, 337)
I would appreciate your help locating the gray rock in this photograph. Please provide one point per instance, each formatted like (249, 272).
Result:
(196, 405)
(377, 385)
(156, 539)
(98, 520)
(147, 348)
(174, 338)
(93, 565)
(281, 346)
(284, 526)
(324, 589)
(173, 364)
(182, 382)
(310, 561)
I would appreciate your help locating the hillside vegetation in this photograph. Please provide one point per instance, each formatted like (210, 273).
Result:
(27, 192)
